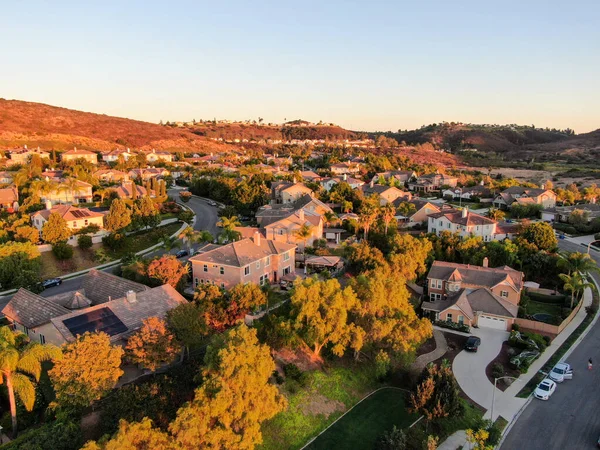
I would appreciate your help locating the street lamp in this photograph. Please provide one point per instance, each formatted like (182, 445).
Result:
(494, 394)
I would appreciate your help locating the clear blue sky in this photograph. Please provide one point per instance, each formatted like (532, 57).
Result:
(365, 65)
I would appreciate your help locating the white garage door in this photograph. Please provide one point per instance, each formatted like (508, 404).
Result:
(492, 322)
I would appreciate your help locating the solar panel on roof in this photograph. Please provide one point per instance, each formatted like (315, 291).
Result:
(99, 320)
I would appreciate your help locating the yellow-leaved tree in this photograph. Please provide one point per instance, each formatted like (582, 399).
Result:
(236, 396)
(135, 436)
(321, 316)
(153, 345)
(90, 367)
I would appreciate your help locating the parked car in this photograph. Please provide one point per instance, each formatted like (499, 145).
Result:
(472, 344)
(561, 372)
(181, 253)
(545, 389)
(51, 282)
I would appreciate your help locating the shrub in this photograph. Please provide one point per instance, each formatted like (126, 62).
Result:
(84, 241)
(293, 371)
(569, 229)
(516, 327)
(59, 435)
(185, 196)
(62, 251)
(495, 433)
(565, 312)
(395, 439)
(453, 325)
(547, 340)
(277, 376)
(497, 370)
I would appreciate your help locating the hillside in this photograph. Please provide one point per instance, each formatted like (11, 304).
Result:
(508, 143)
(287, 131)
(51, 127)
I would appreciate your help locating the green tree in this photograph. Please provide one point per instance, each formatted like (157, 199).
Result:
(541, 234)
(62, 251)
(84, 242)
(89, 369)
(388, 212)
(321, 316)
(118, 217)
(187, 323)
(19, 361)
(229, 232)
(235, 398)
(496, 214)
(248, 296)
(576, 284)
(581, 263)
(409, 256)
(146, 213)
(56, 229)
(303, 233)
(19, 265)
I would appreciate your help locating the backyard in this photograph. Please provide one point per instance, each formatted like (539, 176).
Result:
(361, 427)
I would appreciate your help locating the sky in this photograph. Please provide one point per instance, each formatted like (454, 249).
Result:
(365, 65)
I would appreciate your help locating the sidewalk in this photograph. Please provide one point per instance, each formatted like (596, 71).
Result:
(441, 347)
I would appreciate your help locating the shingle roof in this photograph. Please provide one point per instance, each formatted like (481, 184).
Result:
(32, 310)
(243, 252)
(8, 195)
(476, 275)
(486, 301)
(69, 212)
(100, 287)
(154, 302)
(455, 216)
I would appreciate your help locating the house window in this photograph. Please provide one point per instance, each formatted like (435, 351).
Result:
(268, 261)
(439, 284)
(222, 285)
(42, 339)
(503, 293)
(246, 270)
(286, 256)
(196, 282)
(449, 317)
(461, 319)
(258, 264)
(433, 283)
(222, 270)
(205, 267)
(280, 232)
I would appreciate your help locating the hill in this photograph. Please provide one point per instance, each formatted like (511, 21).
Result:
(297, 129)
(507, 143)
(52, 127)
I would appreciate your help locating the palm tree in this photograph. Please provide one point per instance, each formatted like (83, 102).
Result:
(229, 232)
(577, 262)
(303, 233)
(72, 185)
(169, 243)
(388, 211)
(366, 219)
(17, 361)
(575, 283)
(496, 214)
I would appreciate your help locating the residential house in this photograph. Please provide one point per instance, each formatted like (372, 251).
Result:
(9, 198)
(105, 303)
(562, 213)
(112, 156)
(401, 177)
(75, 217)
(157, 156)
(255, 260)
(386, 194)
(423, 209)
(345, 167)
(286, 192)
(75, 154)
(309, 175)
(7, 177)
(80, 192)
(286, 229)
(329, 182)
(23, 155)
(268, 214)
(474, 295)
(111, 176)
(147, 174)
(432, 182)
(467, 193)
(125, 190)
(524, 196)
(467, 223)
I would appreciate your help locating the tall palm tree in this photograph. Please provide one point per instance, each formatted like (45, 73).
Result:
(575, 283)
(388, 211)
(41, 187)
(581, 263)
(229, 232)
(366, 218)
(18, 362)
(72, 185)
(191, 236)
(303, 233)
(169, 243)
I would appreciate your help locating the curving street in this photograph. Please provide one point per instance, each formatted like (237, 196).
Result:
(570, 419)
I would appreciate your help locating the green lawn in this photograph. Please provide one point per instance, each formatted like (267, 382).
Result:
(144, 239)
(362, 426)
(543, 308)
(81, 260)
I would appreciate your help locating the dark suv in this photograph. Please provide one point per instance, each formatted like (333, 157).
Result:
(472, 343)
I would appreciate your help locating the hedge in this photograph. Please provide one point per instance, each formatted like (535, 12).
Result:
(453, 325)
(543, 298)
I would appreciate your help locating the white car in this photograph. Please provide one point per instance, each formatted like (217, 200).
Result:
(561, 372)
(545, 389)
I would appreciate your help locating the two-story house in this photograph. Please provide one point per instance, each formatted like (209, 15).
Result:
(522, 195)
(76, 218)
(156, 156)
(65, 192)
(23, 155)
(386, 194)
(345, 167)
(422, 210)
(329, 182)
(467, 223)
(286, 229)
(398, 176)
(75, 154)
(432, 182)
(147, 174)
(111, 176)
(289, 192)
(251, 260)
(474, 295)
(112, 156)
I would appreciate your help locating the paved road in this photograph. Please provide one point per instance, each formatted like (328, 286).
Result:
(206, 219)
(570, 419)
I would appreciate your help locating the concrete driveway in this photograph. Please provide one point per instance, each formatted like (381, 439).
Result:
(469, 367)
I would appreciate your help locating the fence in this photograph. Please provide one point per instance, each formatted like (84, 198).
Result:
(534, 325)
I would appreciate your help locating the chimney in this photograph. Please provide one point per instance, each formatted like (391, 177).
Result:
(131, 297)
(48, 204)
(294, 180)
(372, 183)
(256, 238)
(128, 151)
(25, 146)
(301, 214)
(465, 212)
(345, 177)
(486, 262)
